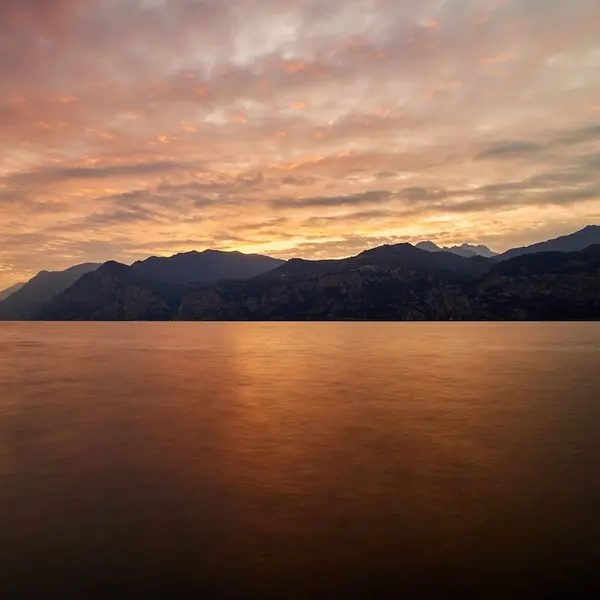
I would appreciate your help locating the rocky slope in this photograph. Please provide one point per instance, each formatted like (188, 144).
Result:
(360, 294)
(115, 292)
(36, 298)
(544, 286)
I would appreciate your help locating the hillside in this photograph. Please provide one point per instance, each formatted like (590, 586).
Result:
(4, 294)
(114, 292)
(25, 303)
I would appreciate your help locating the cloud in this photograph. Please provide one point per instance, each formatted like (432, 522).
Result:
(418, 193)
(137, 126)
(293, 180)
(510, 149)
(59, 174)
(370, 197)
(119, 217)
(581, 135)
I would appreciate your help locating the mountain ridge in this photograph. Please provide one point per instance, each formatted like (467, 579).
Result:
(4, 294)
(208, 266)
(114, 292)
(465, 250)
(572, 242)
(160, 288)
(24, 303)
(533, 287)
(375, 285)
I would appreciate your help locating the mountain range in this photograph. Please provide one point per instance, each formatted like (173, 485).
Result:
(206, 267)
(553, 286)
(28, 299)
(558, 279)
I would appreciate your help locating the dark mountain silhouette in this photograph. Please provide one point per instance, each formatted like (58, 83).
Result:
(405, 255)
(115, 292)
(555, 286)
(25, 303)
(464, 250)
(543, 286)
(380, 284)
(588, 236)
(396, 282)
(359, 294)
(209, 266)
(118, 292)
(10, 291)
(386, 257)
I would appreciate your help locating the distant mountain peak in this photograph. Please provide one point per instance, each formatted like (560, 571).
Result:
(472, 250)
(465, 250)
(113, 266)
(428, 246)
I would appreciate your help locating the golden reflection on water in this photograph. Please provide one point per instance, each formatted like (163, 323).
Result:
(273, 457)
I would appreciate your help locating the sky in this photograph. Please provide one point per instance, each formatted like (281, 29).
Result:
(312, 128)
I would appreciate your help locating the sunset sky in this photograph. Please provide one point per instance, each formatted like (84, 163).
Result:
(313, 128)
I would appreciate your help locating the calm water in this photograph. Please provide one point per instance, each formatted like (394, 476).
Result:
(299, 460)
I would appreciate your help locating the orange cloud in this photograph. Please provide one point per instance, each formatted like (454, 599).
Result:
(65, 98)
(434, 91)
(239, 117)
(298, 105)
(45, 125)
(132, 114)
(187, 128)
(296, 66)
(499, 58)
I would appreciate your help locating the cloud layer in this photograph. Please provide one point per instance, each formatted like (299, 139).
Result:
(293, 127)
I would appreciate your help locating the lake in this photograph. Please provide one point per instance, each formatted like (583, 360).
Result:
(308, 460)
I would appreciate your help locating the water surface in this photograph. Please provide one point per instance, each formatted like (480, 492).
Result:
(278, 460)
